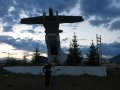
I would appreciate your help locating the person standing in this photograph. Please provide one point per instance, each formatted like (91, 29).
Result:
(47, 71)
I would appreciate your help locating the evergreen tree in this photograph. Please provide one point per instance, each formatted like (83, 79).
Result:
(93, 56)
(75, 56)
(36, 59)
(24, 60)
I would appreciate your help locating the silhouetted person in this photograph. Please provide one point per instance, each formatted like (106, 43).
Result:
(47, 72)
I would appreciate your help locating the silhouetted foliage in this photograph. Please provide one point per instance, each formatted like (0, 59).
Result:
(36, 59)
(93, 56)
(75, 56)
(13, 62)
(24, 60)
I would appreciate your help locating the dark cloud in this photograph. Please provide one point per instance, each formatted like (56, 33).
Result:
(107, 49)
(43, 5)
(111, 49)
(101, 12)
(7, 28)
(31, 8)
(4, 6)
(119, 38)
(65, 39)
(23, 44)
(98, 22)
(115, 25)
(31, 31)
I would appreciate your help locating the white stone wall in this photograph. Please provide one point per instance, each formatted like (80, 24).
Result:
(64, 70)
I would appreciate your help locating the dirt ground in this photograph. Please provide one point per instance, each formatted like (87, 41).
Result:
(9, 81)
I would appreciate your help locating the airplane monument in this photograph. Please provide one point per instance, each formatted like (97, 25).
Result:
(51, 25)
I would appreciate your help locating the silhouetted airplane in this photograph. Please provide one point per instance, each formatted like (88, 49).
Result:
(51, 21)
(51, 24)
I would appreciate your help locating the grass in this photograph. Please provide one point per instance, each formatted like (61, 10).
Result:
(10, 81)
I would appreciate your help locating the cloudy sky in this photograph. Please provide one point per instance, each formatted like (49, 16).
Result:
(101, 17)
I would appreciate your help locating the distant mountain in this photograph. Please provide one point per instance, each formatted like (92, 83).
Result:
(115, 59)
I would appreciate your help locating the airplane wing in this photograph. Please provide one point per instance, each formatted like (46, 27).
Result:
(32, 20)
(70, 19)
(60, 19)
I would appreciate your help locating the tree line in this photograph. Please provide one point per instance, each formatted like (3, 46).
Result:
(74, 57)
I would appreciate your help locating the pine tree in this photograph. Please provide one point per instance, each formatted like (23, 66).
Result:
(75, 56)
(93, 55)
(36, 59)
(24, 60)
